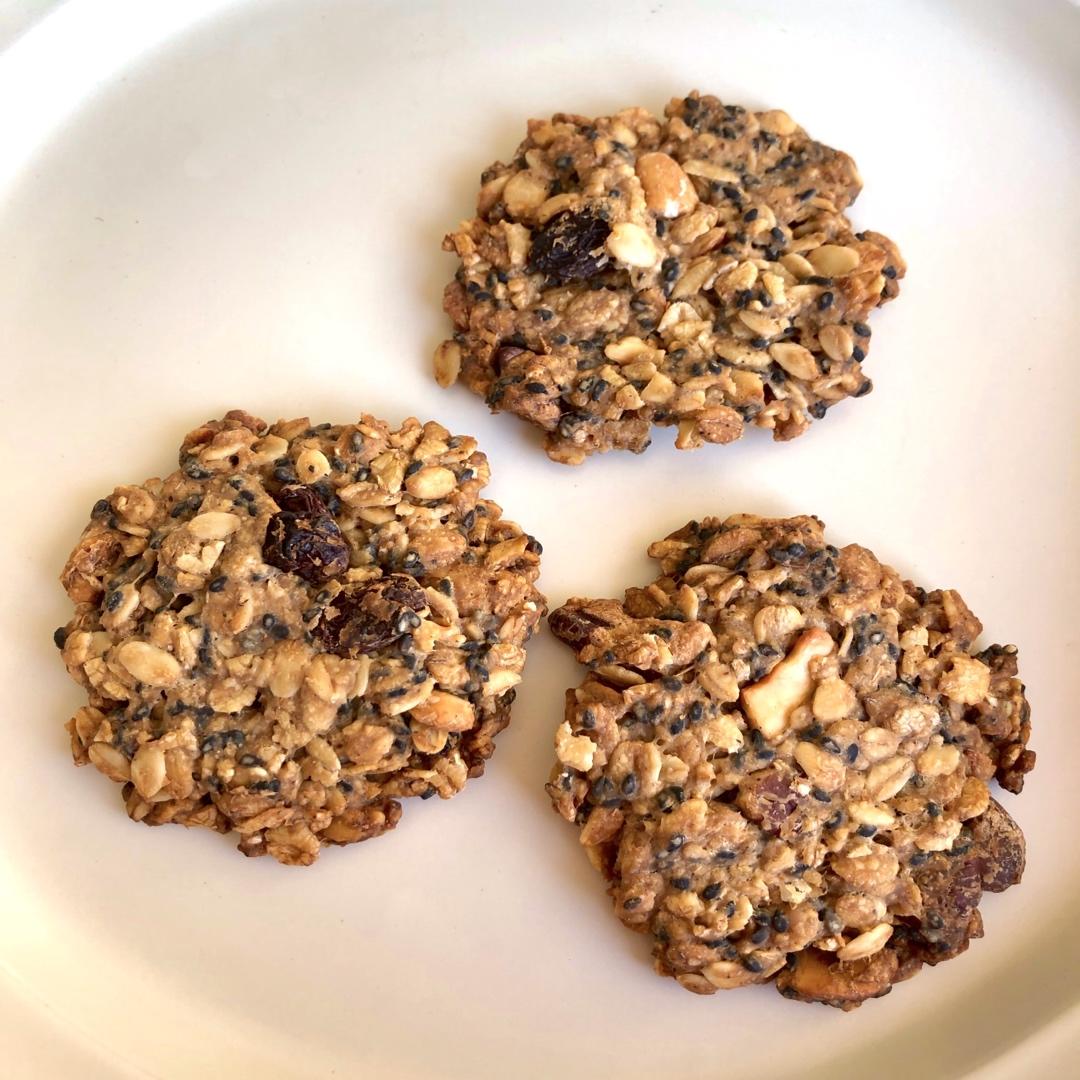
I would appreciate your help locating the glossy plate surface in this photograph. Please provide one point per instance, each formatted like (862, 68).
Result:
(211, 204)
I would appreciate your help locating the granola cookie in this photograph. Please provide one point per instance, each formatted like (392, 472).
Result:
(780, 760)
(299, 627)
(696, 271)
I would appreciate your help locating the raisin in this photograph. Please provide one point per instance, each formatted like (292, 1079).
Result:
(371, 615)
(503, 355)
(575, 626)
(303, 538)
(570, 247)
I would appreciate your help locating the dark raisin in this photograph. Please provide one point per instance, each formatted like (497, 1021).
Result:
(570, 247)
(303, 538)
(575, 627)
(503, 355)
(369, 616)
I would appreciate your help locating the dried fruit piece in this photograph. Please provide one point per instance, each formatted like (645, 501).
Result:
(570, 247)
(371, 615)
(303, 537)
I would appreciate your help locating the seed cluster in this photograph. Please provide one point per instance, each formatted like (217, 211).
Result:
(696, 271)
(297, 628)
(780, 761)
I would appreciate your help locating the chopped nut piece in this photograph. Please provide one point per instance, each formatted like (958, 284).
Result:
(668, 191)
(770, 702)
(631, 245)
(966, 681)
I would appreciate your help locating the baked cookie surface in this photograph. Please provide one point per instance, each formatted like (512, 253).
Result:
(298, 628)
(695, 271)
(780, 760)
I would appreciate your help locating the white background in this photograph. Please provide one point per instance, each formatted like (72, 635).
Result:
(206, 205)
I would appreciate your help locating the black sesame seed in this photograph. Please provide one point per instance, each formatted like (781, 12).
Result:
(861, 329)
(535, 388)
(889, 272)
(825, 300)
(750, 215)
(218, 583)
(632, 902)
(59, 636)
(711, 892)
(821, 796)
(809, 193)
(751, 963)
(851, 754)
(760, 936)
(933, 809)
(858, 354)
(780, 922)
(682, 883)
(867, 830)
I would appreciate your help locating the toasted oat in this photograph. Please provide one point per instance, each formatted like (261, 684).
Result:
(299, 627)
(695, 271)
(780, 760)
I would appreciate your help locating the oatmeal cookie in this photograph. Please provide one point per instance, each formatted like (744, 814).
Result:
(299, 627)
(696, 271)
(780, 760)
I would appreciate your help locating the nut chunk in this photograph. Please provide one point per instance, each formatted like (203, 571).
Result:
(770, 702)
(297, 629)
(779, 761)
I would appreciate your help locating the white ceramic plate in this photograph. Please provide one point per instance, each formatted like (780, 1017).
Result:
(210, 204)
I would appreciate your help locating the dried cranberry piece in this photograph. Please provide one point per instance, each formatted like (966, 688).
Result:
(570, 247)
(767, 797)
(371, 615)
(303, 538)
